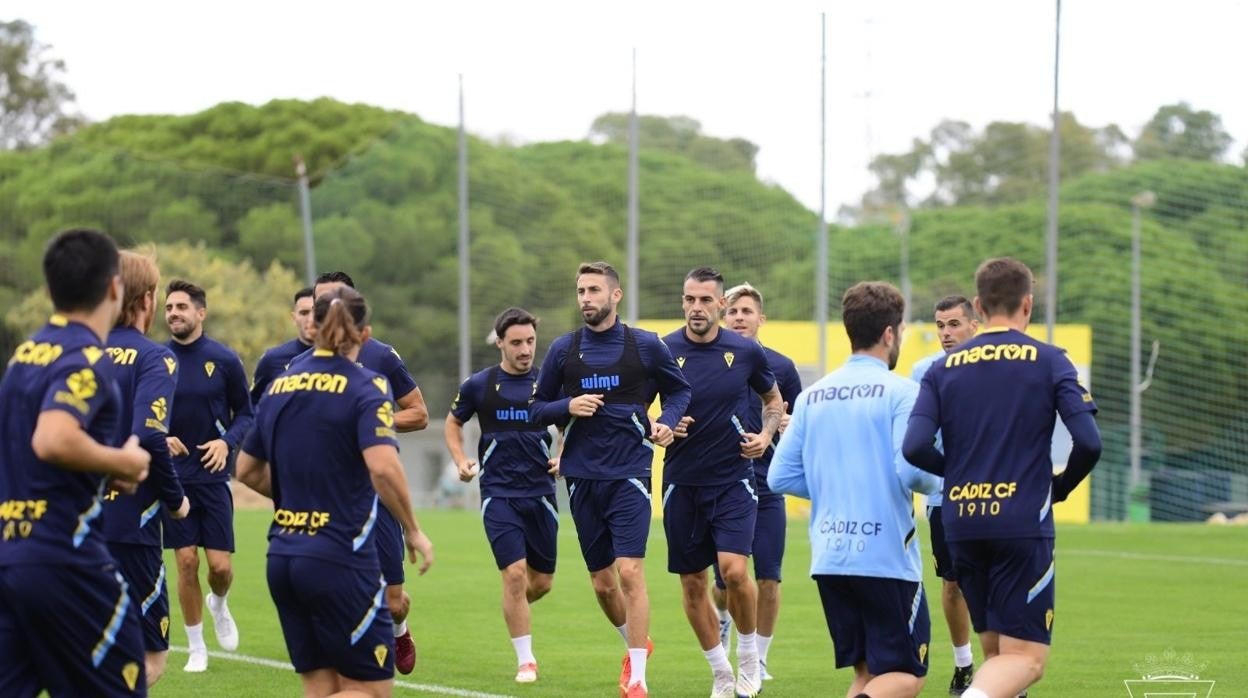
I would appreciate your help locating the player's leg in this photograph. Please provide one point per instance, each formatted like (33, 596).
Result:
(628, 512)
(298, 628)
(216, 530)
(144, 572)
(842, 612)
(541, 540)
(388, 535)
(594, 537)
(504, 522)
(769, 539)
(705, 623)
(733, 516)
(898, 633)
(957, 617)
(719, 597)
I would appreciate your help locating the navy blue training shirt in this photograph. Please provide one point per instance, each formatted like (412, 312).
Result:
(212, 403)
(312, 427)
(512, 451)
(619, 363)
(146, 374)
(995, 400)
(381, 358)
(790, 384)
(272, 362)
(49, 515)
(723, 373)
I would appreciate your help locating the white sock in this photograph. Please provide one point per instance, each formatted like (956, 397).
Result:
(216, 602)
(195, 637)
(524, 650)
(962, 655)
(717, 657)
(723, 615)
(400, 629)
(747, 646)
(623, 630)
(974, 693)
(763, 642)
(637, 658)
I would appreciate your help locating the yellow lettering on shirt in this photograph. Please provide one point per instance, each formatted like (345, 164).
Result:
(123, 356)
(314, 382)
(36, 353)
(981, 498)
(300, 522)
(992, 352)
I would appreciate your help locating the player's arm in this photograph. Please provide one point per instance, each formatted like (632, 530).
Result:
(413, 414)
(242, 414)
(913, 478)
(74, 396)
(153, 404)
(755, 445)
(386, 471)
(919, 444)
(1075, 405)
(265, 372)
(254, 472)
(549, 405)
(787, 473)
(670, 381)
(462, 408)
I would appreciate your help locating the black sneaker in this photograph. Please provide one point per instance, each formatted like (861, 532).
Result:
(961, 679)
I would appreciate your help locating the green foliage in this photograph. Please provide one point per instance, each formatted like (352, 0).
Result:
(1179, 131)
(35, 105)
(677, 134)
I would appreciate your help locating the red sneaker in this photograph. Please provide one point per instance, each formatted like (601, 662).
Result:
(404, 653)
(637, 690)
(626, 669)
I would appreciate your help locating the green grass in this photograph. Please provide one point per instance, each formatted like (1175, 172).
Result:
(1121, 598)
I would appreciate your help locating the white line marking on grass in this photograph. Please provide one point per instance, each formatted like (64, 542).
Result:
(285, 666)
(1154, 557)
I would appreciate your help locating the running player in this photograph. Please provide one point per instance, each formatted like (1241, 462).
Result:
(274, 360)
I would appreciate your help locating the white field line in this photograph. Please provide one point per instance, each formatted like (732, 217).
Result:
(1153, 557)
(284, 666)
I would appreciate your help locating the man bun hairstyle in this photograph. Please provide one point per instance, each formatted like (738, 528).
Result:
(341, 316)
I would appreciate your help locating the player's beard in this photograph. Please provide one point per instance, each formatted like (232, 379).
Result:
(598, 315)
(893, 355)
(707, 324)
(186, 330)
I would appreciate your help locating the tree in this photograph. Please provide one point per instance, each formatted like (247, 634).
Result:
(677, 134)
(35, 106)
(1179, 131)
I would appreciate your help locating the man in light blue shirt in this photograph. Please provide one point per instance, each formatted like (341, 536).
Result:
(842, 450)
(955, 323)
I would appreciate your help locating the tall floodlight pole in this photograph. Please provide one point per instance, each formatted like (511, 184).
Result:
(633, 294)
(1138, 386)
(821, 235)
(465, 351)
(1055, 142)
(305, 210)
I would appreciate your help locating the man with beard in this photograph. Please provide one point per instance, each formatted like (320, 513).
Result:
(518, 505)
(212, 415)
(599, 381)
(273, 361)
(842, 450)
(146, 374)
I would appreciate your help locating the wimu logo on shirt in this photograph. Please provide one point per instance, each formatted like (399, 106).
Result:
(992, 352)
(511, 414)
(597, 382)
(845, 392)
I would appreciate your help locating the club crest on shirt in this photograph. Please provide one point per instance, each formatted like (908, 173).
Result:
(171, 364)
(498, 387)
(380, 652)
(209, 367)
(130, 673)
(164, 626)
(923, 652)
(381, 384)
(82, 384)
(93, 354)
(728, 357)
(680, 361)
(1048, 619)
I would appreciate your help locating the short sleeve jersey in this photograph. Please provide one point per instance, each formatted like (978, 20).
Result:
(790, 384)
(272, 362)
(512, 451)
(50, 515)
(723, 373)
(995, 400)
(312, 427)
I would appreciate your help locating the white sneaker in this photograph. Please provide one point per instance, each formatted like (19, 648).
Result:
(723, 687)
(197, 662)
(748, 685)
(222, 623)
(762, 668)
(527, 673)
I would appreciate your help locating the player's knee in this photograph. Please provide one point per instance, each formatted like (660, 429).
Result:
(950, 590)
(632, 577)
(735, 575)
(188, 563)
(913, 685)
(604, 583)
(219, 567)
(768, 589)
(539, 586)
(154, 664)
(693, 586)
(515, 578)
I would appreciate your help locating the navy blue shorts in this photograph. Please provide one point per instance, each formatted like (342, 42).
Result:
(612, 518)
(143, 568)
(333, 617)
(769, 536)
(391, 551)
(881, 621)
(1008, 585)
(210, 523)
(703, 521)
(69, 630)
(940, 548)
(522, 528)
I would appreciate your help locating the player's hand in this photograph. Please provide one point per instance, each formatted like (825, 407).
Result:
(215, 452)
(585, 405)
(753, 445)
(682, 427)
(183, 509)
(132, 464)
(554, 467)
(467, 470)
(176, 447)
(419, 549)
(784, 420)
(662, 434)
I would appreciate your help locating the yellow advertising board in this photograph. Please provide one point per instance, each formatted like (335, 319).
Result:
(797, 340)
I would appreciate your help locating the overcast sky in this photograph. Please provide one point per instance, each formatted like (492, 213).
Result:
(538, 70)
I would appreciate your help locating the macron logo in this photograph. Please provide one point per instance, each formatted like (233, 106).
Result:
(597, 382)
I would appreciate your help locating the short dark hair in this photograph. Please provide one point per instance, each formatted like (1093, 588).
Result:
(702, 274)
(1002, 283)
(305, 292)
(78, 266)
(513, 316)
(951, 302)
(198, 297)
(867, 309)
(331, 277)
(599, 268)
